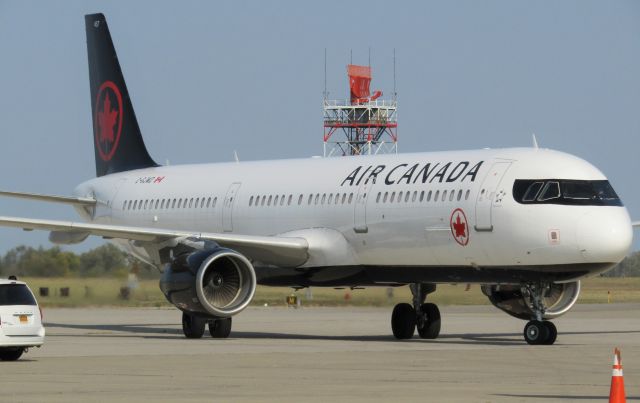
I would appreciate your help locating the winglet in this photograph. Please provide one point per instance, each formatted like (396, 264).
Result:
(535, 141)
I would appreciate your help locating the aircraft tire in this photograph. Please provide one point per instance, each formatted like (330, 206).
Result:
(430, 328)
(536, 332)
(220, 328)
(403, 321)
(193, 326)
(552, 333)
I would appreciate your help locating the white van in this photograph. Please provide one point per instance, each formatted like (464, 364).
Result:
(20, 320)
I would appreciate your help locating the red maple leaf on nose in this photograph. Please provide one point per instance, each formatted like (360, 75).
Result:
(106, 120)
(459, 227)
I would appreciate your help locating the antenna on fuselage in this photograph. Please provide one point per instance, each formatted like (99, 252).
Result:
(535, 141)
(235, 156)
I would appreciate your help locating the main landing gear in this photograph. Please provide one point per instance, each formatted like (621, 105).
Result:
(537, 330)
(193, 326)
(423, 316)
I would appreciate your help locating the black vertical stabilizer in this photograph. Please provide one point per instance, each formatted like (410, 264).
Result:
(118, 142)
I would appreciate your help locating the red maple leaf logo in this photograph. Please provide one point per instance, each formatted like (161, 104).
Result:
(459, 227)
(106, 120)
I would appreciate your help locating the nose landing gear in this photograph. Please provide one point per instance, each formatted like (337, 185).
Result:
(537, 330)
(423, 316)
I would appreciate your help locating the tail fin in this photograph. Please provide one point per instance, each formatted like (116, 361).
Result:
(117, 139)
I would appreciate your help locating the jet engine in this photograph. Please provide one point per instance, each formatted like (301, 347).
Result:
(216, 282)
(516, 301)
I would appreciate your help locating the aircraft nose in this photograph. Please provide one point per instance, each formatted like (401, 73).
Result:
(605, 235)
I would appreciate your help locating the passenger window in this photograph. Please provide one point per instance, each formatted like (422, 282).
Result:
(435, 197)
(452, 195)
(378, 197)
(350, 197)
(429, 196)
(459, 194)
(444, 196)
(173, 204)
(421, 196)
(550, 191)
(406, 197)
(324, 196)
(209, 202)
(415, 196)
(300, 200)
(269, 200)
(400, 197)
(157, 203)
(275, 201)
(393, 197)
(250, 201)
(289, 200)
(310, 199)
(330, 198)
(344, 197)
(190, 202)
(145, 204)
(386, 195)
(282, 199)
(466, 196)
(215, 200)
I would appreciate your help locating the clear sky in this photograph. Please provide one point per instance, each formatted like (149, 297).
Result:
(207, 78)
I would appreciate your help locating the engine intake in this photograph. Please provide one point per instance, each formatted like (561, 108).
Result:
(215, 282)
(516, 302)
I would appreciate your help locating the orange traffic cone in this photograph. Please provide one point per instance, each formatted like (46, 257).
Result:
(616, 394)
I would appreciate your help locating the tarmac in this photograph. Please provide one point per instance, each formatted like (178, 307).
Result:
(324, 354)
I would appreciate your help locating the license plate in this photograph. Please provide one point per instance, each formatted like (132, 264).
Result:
(24, 319)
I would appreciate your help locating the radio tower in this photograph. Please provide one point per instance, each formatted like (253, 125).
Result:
(364, 124)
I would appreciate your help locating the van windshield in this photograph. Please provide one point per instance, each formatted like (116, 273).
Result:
(16, 294)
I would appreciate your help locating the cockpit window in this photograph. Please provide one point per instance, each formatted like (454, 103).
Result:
(564, 191)
(532, 191)
(550, 191)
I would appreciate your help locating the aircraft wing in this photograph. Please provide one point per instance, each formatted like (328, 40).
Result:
(282, 251)
(79, 201)
(635, 224)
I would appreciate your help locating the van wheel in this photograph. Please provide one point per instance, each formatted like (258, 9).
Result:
(11, 355)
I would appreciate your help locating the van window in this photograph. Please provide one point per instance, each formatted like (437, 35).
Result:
(16, 294)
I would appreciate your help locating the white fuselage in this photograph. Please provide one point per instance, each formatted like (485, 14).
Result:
(387, 210)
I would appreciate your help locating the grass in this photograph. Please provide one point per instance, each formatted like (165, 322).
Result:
(106, 292)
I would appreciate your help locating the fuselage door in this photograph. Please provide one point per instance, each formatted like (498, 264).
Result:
(486, 195)
(227, 207)
(360, 212)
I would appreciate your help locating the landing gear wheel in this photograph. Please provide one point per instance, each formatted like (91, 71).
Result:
(193, 326)
(429, 326)
(11, 355)
(220, 328)
(552, 333)
(403, 321)
(536, 332)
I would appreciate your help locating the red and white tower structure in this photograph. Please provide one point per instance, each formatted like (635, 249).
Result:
(364, 124)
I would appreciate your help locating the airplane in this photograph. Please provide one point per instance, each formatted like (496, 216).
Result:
(525, 223)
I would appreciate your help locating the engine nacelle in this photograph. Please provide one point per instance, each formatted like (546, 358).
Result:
(215, 282)
(515, 301)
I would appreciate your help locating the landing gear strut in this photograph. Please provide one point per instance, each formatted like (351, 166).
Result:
(538, 330)
(193, 326)
(423, 316)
